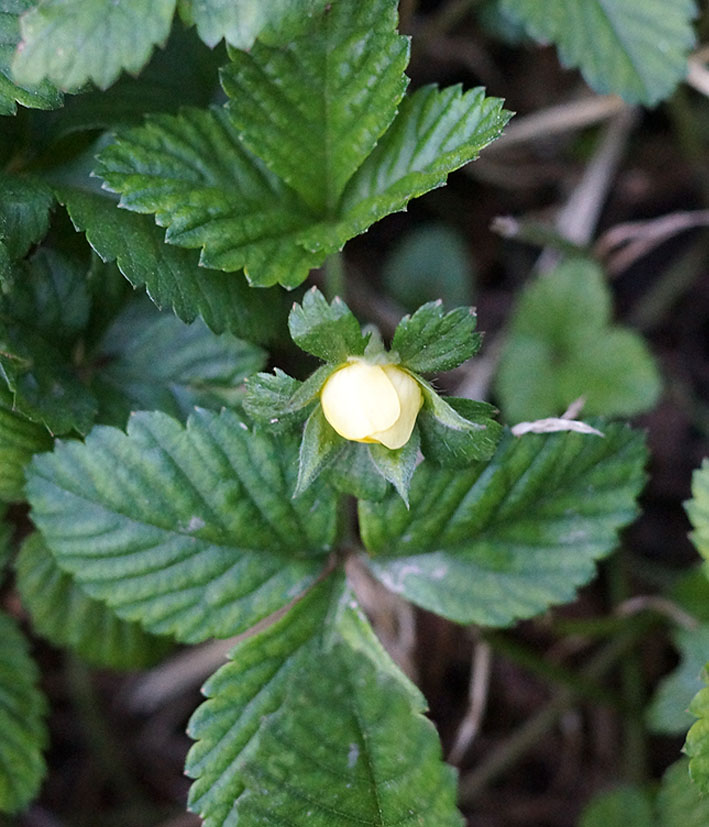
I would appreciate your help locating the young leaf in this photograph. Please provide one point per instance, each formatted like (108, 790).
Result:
(240, 23)
(24, 212)
(98, 40)
(679, 801)
(171, 275)
(314, 109)
(41, 95)
(19, 440)
(199, 536)
(561, 345)
(22, 713)
(64, 615)
(637, 49)
(328, 331)
(432, 341)
(153, 361)
(325, 702)
(505, 539)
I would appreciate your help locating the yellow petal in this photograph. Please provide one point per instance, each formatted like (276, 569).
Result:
(410, 399)
(359, 400)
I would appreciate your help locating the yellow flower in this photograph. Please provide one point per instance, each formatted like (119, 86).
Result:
(372, 403)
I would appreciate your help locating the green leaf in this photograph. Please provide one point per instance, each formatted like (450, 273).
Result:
(24, 735)
(561, 345)
(201, 175)
(268, 400)
(432, 340)
(698, 509)
(62, 613)
(328, 331)
(637, 49)
(240, 23)
(24, 212)
(629, 806)
(98, 40)
(153, 361)
(435, 132)
(679, 801)
(172, 276)
(505, 539)
(312, 724)
(697, 743)
(319, 447)
(314, 109)
(19, 440)
(455, 431)
(397, 466)
(36, 95)
(198, 534)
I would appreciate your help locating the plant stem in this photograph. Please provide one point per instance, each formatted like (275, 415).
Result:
(334, 276)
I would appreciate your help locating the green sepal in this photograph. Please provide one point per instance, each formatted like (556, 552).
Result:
(319, 447)
(355, 473)
(456, 431)
(63, 614)
(24, 212)
(431, 340)
(329, 331)
(398, 466)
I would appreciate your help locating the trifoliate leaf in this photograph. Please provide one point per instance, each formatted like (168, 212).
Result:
(62, 613)
(153, 361)
(561, 345)
(505, 539)
(637, 49)
(240, 22)
(199, 536)
(630, 806)
(698, 509)
(98, 40)
(196, 173)
(454, 431)
(432, 340)
(323, 730)
(314, 109)
(22, 712)
(328, 331)
(171, 275)
(697, 743)
(40, 95)
(679, 801)
(19, 440)
(24, 211)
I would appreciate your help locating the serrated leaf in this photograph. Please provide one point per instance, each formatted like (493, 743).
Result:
(203, 184)
(198, 534)
(323, 730)
(432, 340)
(268, 399)
(505, 539)
(153, 361)
(22, 713)
(66, 616)
(435, 132)
(561, 345)
(637, 49)
(240, 23)
(455, 431)
(19, 440)
(24, 211)
(630, 806)
(679, 801)
(314, 109)
(171, 275)
(698, 509)
(98, 40)
(328, 331)
(38, 96)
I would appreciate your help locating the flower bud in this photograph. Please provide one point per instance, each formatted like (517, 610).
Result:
(372, 403)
